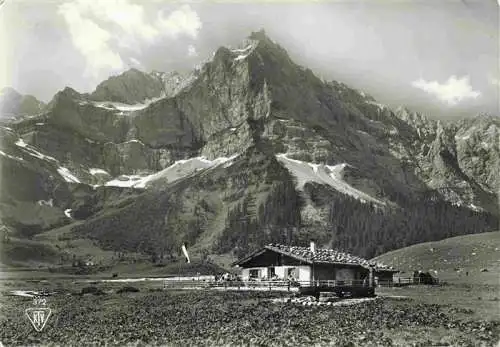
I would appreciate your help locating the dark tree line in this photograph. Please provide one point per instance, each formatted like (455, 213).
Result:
(251, 225)
(368, 231)
(359, 228)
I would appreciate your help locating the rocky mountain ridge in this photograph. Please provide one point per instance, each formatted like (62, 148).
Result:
(248, 136)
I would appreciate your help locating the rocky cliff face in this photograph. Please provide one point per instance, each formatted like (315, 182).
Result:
(249, 136)
(477, 148)
(457, 159)
(33, 193)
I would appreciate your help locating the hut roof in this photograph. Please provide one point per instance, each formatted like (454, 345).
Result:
(320, 256)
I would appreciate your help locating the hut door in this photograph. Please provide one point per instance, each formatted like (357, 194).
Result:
(271, 272)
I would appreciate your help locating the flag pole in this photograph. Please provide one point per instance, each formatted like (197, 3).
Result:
(179, 272)
(185, 252)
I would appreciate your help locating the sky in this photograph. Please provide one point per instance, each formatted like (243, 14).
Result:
(440, 57)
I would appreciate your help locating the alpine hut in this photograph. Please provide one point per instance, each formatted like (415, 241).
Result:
(309, 266)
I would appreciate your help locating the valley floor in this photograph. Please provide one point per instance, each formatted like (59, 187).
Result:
(454, 315)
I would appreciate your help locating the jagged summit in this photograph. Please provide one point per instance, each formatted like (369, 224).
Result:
(67, 94)
(259, 36)
(130, 87)
(14, 105)
(70, 92)
(9, 91)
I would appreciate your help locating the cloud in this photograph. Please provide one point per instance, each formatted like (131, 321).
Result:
(452, 92)
(135, 62)
(495, 81)
(192, 51)
(181, 21)
(90, 39)
(100, 28)
(6, 48)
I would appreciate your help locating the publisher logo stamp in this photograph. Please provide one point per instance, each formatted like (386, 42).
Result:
(38, 315)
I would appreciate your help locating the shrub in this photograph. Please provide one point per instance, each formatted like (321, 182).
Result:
(92, 290)
(127, 289)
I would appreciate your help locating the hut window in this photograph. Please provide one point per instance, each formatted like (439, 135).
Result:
(254, 273)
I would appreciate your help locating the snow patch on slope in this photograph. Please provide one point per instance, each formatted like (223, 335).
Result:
(21, 143)
(67, 213)
(124, 181)
(241, 57)
(64, 172)
(135, 141)
(324, 174)
(176, 171)
(108, 105)
(31, 151)
(67, 175)
(6, 128)
(475, 208)
(244, 52)
(49, 202)
(184, 168)
(124, 108)
(11, 156)
(97, 171)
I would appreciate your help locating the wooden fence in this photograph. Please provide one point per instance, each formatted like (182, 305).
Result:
(283, 285)
(406, 281)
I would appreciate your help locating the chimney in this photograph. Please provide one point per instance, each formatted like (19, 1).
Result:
(313, 247)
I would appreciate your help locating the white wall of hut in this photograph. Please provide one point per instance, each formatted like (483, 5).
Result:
(304, 273)
(299, 273)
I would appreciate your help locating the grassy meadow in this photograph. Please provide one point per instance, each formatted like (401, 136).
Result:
(464, 310)
(208, 318)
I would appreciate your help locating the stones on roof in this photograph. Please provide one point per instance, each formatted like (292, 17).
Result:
(331, 256)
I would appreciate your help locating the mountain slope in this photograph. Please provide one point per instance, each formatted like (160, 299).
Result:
(450, 259)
